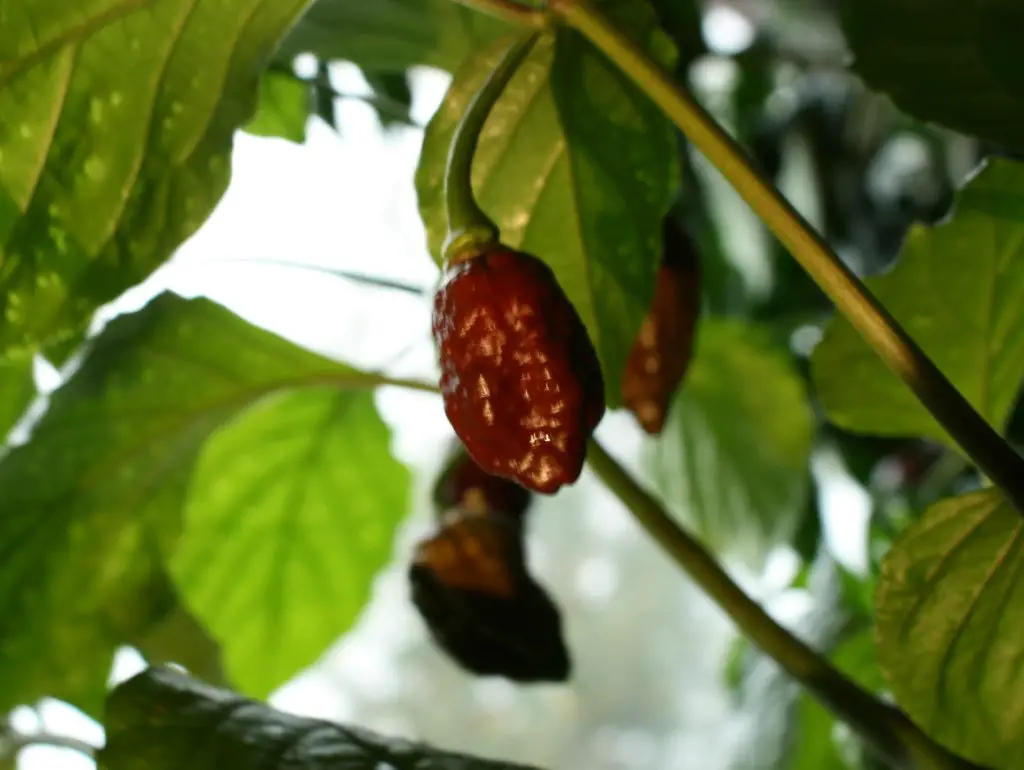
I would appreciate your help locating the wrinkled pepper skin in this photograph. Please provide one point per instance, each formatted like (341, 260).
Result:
(662, 351)
(465, 484)
(521, 382)
(470, 585)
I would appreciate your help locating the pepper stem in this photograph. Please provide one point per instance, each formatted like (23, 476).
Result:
(470, 230)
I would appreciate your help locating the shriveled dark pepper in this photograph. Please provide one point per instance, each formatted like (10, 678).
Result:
(521, 381)
(463, 483)
(661, 354)
(471, 587)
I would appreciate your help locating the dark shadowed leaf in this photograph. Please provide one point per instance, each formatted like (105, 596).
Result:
(284, 105)
(951, 626)
(92, 504)
(946, 61)
(290, 516)
(577, 167)
(391, 35)
(734, 455)
(959, 290)
(118, 117)
(164, 720)
(392, 96)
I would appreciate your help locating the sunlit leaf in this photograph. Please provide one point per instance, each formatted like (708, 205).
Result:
(289, 518)
(92, 504)
(116, 122)
(577, 167)
(958, 289)
(284, 107)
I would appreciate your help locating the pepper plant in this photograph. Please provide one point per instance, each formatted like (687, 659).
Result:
(566, 187)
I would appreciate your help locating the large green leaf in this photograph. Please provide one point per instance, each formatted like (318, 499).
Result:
(578, 168)
(92, 503)
(958, 289)
(289, 518)
(947, 61)
(951, 626)
(391, 35)
(163, 720)
(116, 121)
(733, 459)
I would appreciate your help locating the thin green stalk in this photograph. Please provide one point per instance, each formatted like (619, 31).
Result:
(510, 11)
(337, 272)
(470, 230)
(895, 347)
(884, 727)
(359, 380)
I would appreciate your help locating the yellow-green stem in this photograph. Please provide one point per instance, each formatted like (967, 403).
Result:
(885, 728)
(470, 230)
(509, 11)
(895, 347)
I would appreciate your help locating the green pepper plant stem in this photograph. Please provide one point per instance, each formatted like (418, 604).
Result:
(470, 230)
(894, 346)
(510, 11)
(889, 732)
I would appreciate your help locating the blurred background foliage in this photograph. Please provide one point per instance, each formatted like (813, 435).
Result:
(661, 680)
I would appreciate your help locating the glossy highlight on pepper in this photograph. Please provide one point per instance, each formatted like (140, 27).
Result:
(521, 381)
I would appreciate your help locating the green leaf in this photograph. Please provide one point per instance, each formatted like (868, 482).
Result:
(178, 637)
(17, 389)
(289, 519)
(733, 459)
(577, 167)
(946, 61)
(92, 504)
(163, 720)
(958, 289)
(115, 142)
(283, 109)
(681, 19)
(951, 626)
(391, 35)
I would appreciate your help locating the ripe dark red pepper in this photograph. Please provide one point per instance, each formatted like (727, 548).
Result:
(463, 483)
(521, 382)
(661, 353)
(471, 587)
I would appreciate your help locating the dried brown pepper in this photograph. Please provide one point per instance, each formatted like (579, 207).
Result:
(463, 483)
(471, 587)
(661, 354)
